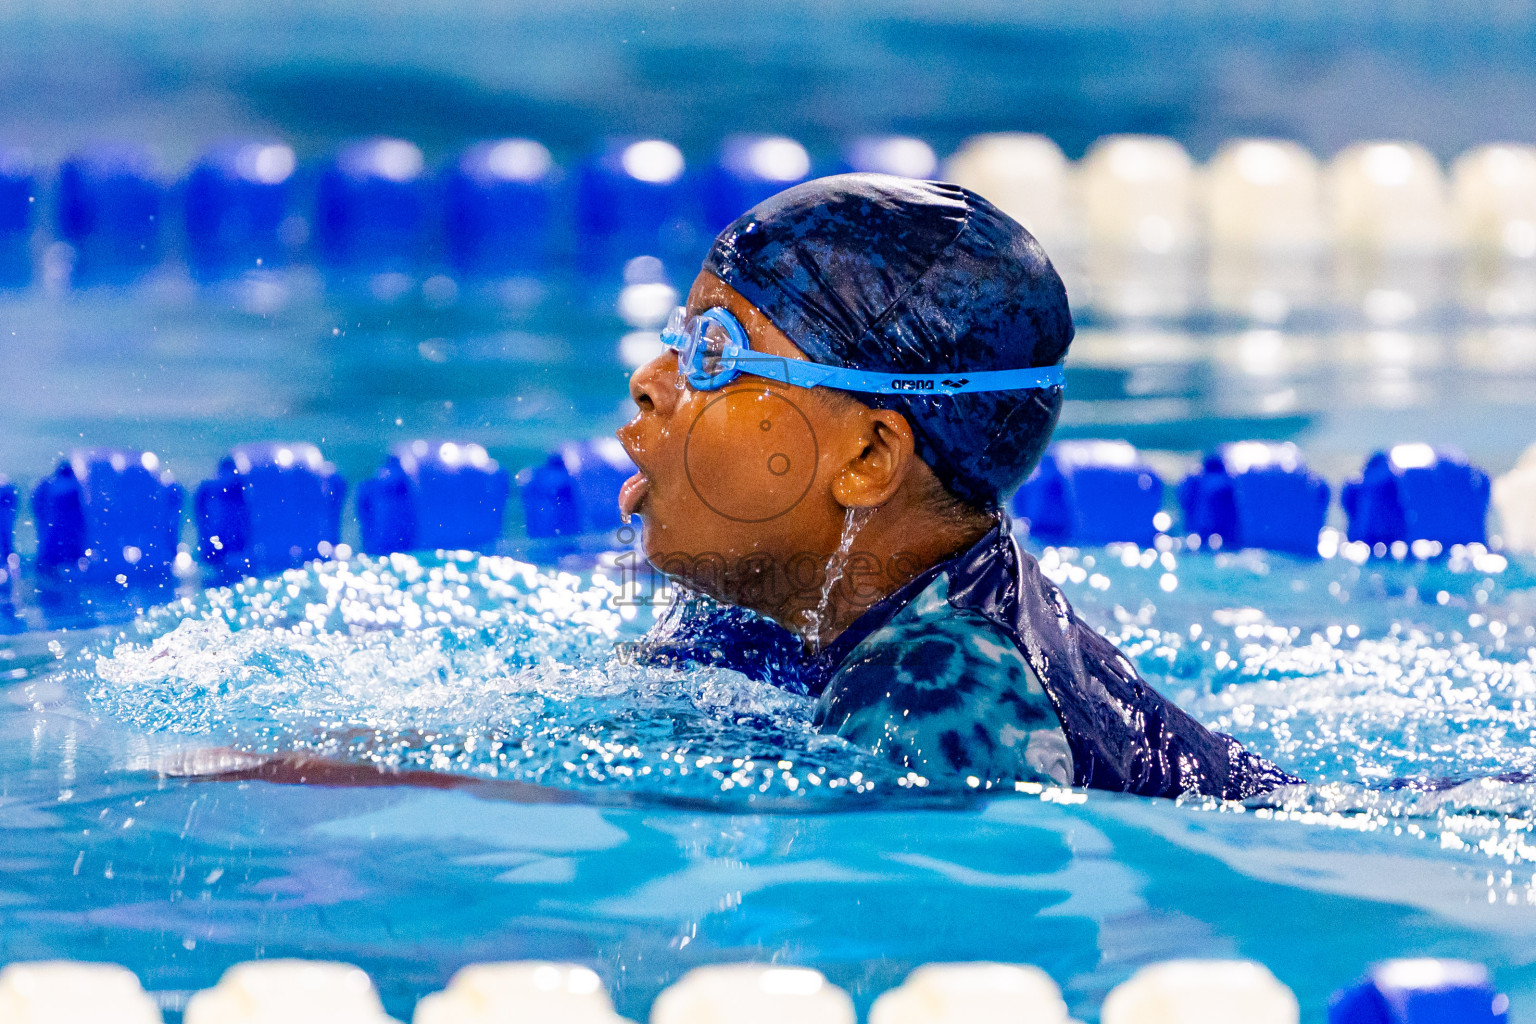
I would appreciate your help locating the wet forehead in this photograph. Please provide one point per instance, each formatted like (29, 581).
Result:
(709, 291)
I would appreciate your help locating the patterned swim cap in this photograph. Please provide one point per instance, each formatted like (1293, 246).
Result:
(883, 273)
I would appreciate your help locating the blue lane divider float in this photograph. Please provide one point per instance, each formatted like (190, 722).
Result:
(370, 214)
(1256, 495)
(18, 187)
(1091, 492)
(110, 208)
(634, 198)
(1414, 493)
(433, 495)
(751, 168)
(1421, 992)
(110, 513)
(498, 198)
(107, 514)
(575, 490)
(8, 560)
(237, 204)
(271, 507)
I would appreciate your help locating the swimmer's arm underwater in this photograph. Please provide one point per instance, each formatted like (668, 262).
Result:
(224, 764)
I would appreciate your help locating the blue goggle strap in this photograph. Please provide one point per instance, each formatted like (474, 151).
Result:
(683, 333)
(804, 374)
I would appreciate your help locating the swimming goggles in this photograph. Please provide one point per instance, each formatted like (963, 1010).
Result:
(713, 350)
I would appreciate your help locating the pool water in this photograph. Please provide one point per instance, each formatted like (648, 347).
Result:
(682, 818)
(645, 821)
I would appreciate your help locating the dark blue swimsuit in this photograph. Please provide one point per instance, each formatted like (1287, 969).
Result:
(979, 671)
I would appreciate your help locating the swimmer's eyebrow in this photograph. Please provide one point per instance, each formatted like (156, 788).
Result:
(695, 307)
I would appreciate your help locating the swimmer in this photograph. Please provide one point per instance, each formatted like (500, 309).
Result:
(865, 368)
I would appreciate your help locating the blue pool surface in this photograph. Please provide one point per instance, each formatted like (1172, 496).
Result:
(646, 821)
(693, 818)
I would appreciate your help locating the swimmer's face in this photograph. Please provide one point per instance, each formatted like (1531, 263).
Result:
(743, 491)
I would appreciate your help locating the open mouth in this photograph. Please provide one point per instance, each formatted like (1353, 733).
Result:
(632, 493)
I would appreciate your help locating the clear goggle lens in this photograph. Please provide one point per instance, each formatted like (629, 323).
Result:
(706, 352)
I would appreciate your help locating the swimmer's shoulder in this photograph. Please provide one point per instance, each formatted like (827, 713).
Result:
(946, 691)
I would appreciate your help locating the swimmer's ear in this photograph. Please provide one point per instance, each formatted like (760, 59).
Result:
(880, 462)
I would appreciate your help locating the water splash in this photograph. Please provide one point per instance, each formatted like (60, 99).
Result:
(487, 667)
(1350, 675)
(854, 520)
(1347, 674)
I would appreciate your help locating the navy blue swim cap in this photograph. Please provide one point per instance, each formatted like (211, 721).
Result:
(882, 273)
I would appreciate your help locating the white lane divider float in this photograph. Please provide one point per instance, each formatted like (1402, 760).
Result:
(1514, 495)
(527, 992)
(289, 992)
(1392, 228)
(752, 994)
(1201, 992)
(544, 992)
(977, 993)
(69, 992)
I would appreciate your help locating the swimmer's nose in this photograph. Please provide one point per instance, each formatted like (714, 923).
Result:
(654, 385)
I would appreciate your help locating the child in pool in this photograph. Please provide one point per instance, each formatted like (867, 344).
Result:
(857, 517)
(865, 367)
